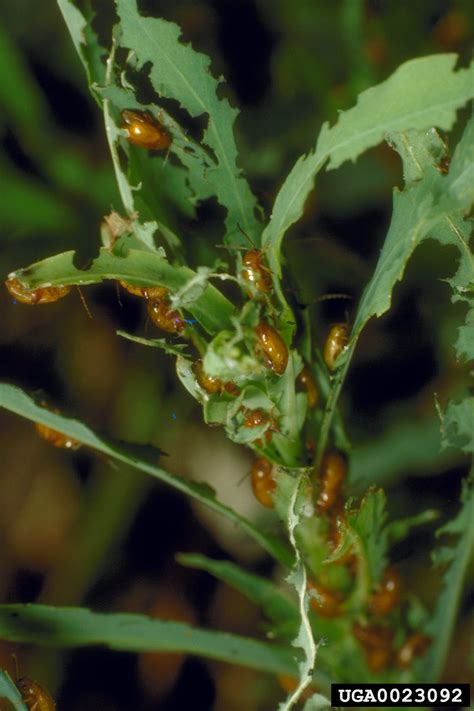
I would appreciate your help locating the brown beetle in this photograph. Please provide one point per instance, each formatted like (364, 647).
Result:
(305, 381)
(271, 347)
(32, 297)
(161, 314)
(263, 482)
(415, 645)
(326, 603)
(336, 341)
(34, 696)
(254, 271)
(145, 131)
(376, 641)
(387, 595)
(332, 473)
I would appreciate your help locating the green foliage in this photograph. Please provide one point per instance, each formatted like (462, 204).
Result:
(75, 627)
(9, 692)
(275, 605)
(344, 549)
(456, 558)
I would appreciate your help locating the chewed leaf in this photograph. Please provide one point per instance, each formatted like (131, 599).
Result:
(161, 343)
(210, 308)
(421, 93)
(139, 457)
(457, 425)
(178, 72)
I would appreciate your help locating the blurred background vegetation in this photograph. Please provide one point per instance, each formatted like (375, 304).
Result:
(76, 529)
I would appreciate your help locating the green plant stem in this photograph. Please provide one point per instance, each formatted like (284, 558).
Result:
(331, 403)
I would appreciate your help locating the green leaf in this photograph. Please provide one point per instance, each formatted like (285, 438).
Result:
(274, 604)
(76, 627)
(22, 103)
(421, 93)
(211, 308)
(368, 524)
(426, 208)
(178, 72)
(9, 691)
(398, 530)
(464, 345)
(161, 343)
(407, 446)
(457, 425)
(140, 457)
(85, 40)
(457, 557)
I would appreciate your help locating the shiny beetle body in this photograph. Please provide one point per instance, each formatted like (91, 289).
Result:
(387, 596)
(161, 314)
(377, 643)
(332, 474)
(325, 602)
(145, 292)
(57, 439)
(305, 381)
(145, 131)
(34, 696)
(335, 343)
(32, 297)
(263, 483)
(271, 347)
(414, 646)
(255, 272)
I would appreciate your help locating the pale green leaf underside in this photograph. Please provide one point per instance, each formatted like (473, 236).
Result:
(457, 424)
(9, 691)
(76, 627)
(211, 308)
(139, 457)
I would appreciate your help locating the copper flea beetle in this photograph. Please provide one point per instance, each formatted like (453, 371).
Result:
(335, 343)
(263, 483)
(272, 347)
(34, 696)
(332, 474)
(326, 603)
(160, 313)
(415, 645)
(387, 595)
(305, 381)
(57, 439)
(145, 131)
(255, 272)
(209, 383)
(43, 295)
(145, 292)
(256, 418)
(376, 641)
